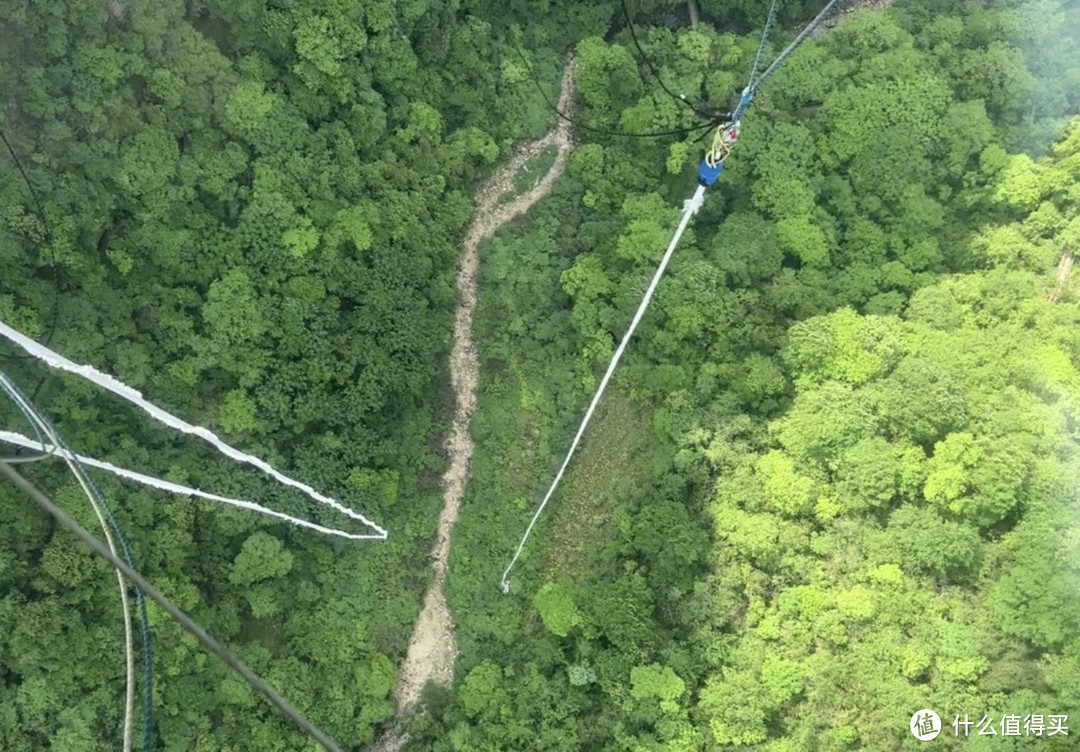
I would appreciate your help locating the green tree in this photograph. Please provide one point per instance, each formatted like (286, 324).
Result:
(262, 557)
(555, 602)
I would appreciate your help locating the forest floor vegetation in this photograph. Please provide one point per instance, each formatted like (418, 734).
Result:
(604, 470)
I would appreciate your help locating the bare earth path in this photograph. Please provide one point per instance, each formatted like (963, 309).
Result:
(1064, 266)
(432, 649)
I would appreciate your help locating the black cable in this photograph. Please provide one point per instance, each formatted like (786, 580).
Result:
(185, 621)
(39, 422)
(22, 458)
(656, 74)
(49, 240)
(604, 131)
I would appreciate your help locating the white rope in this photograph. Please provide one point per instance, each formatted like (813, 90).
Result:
(690, 208)
(176, 488)
(129, 648)
(120, 389)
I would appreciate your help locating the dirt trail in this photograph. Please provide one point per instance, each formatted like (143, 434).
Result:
(432, 649)
(1061, 282)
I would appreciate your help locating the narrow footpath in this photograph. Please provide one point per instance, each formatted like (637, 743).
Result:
(432, 649)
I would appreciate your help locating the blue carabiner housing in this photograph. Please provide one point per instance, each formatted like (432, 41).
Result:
(709, 175)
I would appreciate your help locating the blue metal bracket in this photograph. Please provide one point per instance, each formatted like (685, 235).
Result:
(709, 175)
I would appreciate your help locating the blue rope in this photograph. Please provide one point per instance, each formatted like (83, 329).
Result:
(708, 175)
(747, 96)
(761, 47)
(803, 36)
(25, 414)
(144, 621)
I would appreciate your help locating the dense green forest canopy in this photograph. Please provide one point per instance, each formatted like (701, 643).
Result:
(836, 482)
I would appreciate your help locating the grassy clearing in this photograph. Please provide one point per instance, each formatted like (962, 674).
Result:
(531, 174)
(600, 474)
